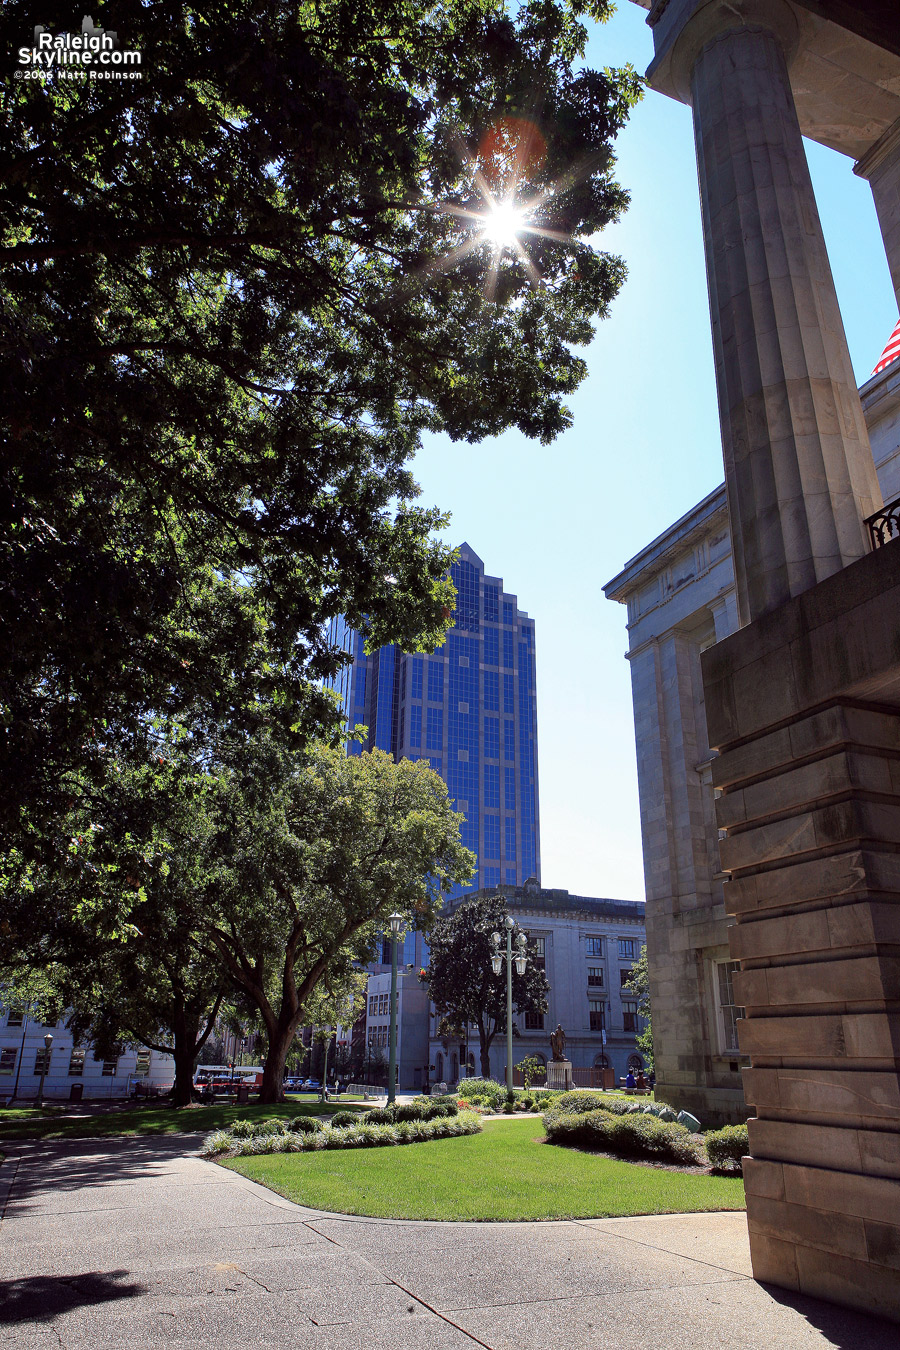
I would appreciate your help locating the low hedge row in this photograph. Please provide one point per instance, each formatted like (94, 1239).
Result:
(726, 1147)
(360, 1135)
(632, 1135)
(425, 1108)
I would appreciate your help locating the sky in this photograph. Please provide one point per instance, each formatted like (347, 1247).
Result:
(557, 522)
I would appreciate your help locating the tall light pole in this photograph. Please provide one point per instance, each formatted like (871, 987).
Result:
(21, 1057)
(396, 922)
(521, 961)
(48, 1041)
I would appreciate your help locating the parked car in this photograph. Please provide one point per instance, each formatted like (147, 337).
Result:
(312, 1085)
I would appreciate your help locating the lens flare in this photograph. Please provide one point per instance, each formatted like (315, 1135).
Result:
(503, 224)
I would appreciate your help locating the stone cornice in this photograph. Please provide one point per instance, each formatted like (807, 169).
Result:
(887, 145)
(667, 545)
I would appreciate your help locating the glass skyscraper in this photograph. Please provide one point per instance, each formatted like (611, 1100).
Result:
(470, 711)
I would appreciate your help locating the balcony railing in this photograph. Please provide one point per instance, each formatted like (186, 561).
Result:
(885, 524)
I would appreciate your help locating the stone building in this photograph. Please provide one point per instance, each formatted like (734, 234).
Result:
(802, 700)
(680, 598)
(69, 1064)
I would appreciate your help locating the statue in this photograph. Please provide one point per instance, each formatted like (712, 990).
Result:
(558, 1043)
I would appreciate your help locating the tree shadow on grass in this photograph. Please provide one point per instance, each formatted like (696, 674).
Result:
(41, 1298)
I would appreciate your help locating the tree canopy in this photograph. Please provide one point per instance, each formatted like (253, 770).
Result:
(234, 295)
(461, 981)
(638, 987)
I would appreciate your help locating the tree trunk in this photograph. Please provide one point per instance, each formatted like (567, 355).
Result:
(484, 1041)
(185, 1032)
(272, 1089)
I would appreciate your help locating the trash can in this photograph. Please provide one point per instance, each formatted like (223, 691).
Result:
(243, 1094)
(76, 1092)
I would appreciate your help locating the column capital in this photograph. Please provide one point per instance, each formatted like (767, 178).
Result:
(682, 28)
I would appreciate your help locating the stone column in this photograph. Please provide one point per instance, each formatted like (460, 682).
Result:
(881, 166)
(798, 466)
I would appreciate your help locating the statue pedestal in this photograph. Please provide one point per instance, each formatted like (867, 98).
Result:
(559, 1075)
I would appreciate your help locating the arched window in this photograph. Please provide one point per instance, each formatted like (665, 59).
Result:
(601, 1061)
(635, 1062)
(439, 1064)
(454, 1068)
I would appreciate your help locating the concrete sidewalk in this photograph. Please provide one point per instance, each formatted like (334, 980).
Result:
(133, 1243)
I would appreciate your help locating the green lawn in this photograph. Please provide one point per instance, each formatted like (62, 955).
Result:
(504, 1173)
(55, 1123)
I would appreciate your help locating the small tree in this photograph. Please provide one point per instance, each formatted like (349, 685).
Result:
(461, 982)
(531, 1068)
(639, 987)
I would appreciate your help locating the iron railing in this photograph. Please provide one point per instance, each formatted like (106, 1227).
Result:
(885, 524)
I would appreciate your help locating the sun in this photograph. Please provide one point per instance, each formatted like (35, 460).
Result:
(503, 224)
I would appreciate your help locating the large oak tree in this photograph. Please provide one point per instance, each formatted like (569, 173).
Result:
(233, 296)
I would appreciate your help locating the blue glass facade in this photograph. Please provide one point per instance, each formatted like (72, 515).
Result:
(446, 709)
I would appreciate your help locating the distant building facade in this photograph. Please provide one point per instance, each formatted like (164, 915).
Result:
(680, 598)
(470, 711)
(68, 1065)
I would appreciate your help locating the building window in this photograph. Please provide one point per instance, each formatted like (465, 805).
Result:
(539, 948)
(595, 946)
(142, 1063)
(492, 836)
(625, 976)
(435, 681)
(42, 1062)
(15, 1020)
(371, 1005)
(601, 1062)
(109, 1067)
(434, 731)
(729, 1012)
(510, 838)
(416, 682)
(597, 1014)
(76, 1063)
(7, 1062)
(534, 1021)
(629, 1014)
(626, 948)
(595, 976)
(415, 725)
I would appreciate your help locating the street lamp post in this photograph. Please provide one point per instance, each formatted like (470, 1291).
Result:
(48, 1041)
(521, 961)
(21, 1057)
(396, 922)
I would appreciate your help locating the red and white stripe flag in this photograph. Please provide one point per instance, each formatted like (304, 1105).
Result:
(890, 353)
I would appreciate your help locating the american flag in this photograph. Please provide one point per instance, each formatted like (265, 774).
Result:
(890, 353)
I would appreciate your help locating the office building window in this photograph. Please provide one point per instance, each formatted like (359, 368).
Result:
(492, 836)
(76, 1063)
(491, 646)
(109, 1067)
(14, 1019)
(594, 946)
(42, 1062)
(491, 596)
(509, 612)
(538, 951)
(507, 649)
(509, 740)
(534, 1021)
(435, 681)
(415, 725)
(7, 1062)
(492, 738)
(491, 691)
(492, 876)
(492, 786)
(629, 1014)
(729, 1012)
(434, 733)
(510, 875)
(595, 976)
(626, 948)
(509, 789)
(625, 975)
(509, 694)
(597, 1014)
(415, 684)
(510, 840)
(142, 1062)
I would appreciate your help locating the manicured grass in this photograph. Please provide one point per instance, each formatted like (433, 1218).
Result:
(54, 1123)
(504, 1173)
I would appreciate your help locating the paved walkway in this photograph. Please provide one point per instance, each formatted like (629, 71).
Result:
(136, 1243)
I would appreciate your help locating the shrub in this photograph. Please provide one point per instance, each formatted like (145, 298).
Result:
(305, 1125)
(341, 1119)
(220, 1141)
(578, 1101)
(242, 1129)
(725, 1148)
(357, 1135)
(480, 1087)
(631, 1135)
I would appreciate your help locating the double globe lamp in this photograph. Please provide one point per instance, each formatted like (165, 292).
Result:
(521, 961)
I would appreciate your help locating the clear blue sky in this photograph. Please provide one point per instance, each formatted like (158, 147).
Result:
(557, 522)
